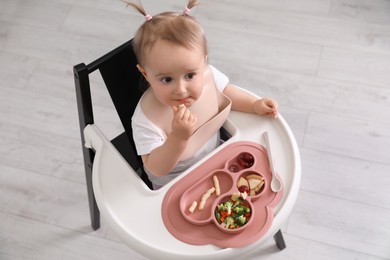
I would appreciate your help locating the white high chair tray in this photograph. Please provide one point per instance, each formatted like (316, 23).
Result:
(133, 211)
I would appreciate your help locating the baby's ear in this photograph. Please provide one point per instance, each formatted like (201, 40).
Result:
(142, 70)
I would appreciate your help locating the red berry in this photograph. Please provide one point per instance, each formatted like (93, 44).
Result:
(243, 189)
(246, 160)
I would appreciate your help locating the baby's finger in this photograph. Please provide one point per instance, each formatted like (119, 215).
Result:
(188, 116)
(270, 103)
(192, 118)
(268, 108)
(181, 110)
(273, 113)
(271, 107)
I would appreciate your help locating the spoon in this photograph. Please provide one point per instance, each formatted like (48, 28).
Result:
(276, 185)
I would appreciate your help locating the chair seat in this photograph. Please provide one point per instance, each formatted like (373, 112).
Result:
(122, 144)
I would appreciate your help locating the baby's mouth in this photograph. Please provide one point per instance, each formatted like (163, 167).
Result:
(184, 100)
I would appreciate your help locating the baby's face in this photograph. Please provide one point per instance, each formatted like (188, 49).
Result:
(175, 73)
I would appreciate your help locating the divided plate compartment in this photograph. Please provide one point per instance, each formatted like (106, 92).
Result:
(195, 193)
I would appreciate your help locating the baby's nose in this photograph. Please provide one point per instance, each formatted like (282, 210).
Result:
(180, 87)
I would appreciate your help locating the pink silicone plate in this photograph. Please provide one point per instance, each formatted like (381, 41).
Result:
(200, 227)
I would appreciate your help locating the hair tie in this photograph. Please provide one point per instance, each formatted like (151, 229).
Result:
(186, 11)
(148, 17)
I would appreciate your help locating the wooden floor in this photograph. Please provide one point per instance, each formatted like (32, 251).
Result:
(327, 62)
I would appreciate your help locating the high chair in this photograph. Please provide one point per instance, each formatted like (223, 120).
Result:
(116, 182)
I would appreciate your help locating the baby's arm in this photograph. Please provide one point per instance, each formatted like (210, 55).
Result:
(165, 157)
(245, 102)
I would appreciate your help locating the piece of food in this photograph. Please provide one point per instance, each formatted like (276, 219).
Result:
(235, 196)
(228, 222)
(244, 189)
(217, 216)
(256, 182)
(216, 185)
(229, 205)
(253, 183)
(250, 184)
(181, 109)
(245, 159)
(259, 186)
(243, 185)
(243, 182)
(254, 176)
(233, 168)
(205, 197)
(241, 220)
(233, 214)
(193, 206)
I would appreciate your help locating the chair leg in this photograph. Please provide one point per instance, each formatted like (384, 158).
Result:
(279, 240)
(93, 208)
(84, 107)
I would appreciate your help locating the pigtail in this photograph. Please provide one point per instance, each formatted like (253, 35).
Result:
(190, 5)
(139, 8)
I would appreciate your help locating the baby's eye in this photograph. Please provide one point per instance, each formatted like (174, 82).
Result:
(190, 76)
(166, 79)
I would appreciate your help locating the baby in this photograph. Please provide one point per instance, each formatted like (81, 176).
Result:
(177, 120)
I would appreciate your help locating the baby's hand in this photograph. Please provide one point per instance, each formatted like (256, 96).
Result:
(266, 106)
(183, 122)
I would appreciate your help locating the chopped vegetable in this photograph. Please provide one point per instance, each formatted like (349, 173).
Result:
(218, 216)
(240, 220)
(233, 214)
(235, 196)
(221, 207)
(229, 222)
(239, 210)
(229, 206)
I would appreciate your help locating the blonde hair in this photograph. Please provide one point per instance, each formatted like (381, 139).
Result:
(178, 28)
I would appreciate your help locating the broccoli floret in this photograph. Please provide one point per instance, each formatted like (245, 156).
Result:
(239, 210)
(221, 207)
(229, 206)
(229, 221)
(241, 220)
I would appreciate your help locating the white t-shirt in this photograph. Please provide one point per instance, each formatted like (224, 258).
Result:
(147, 136)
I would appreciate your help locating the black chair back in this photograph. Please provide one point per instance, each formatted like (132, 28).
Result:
(122, 79)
